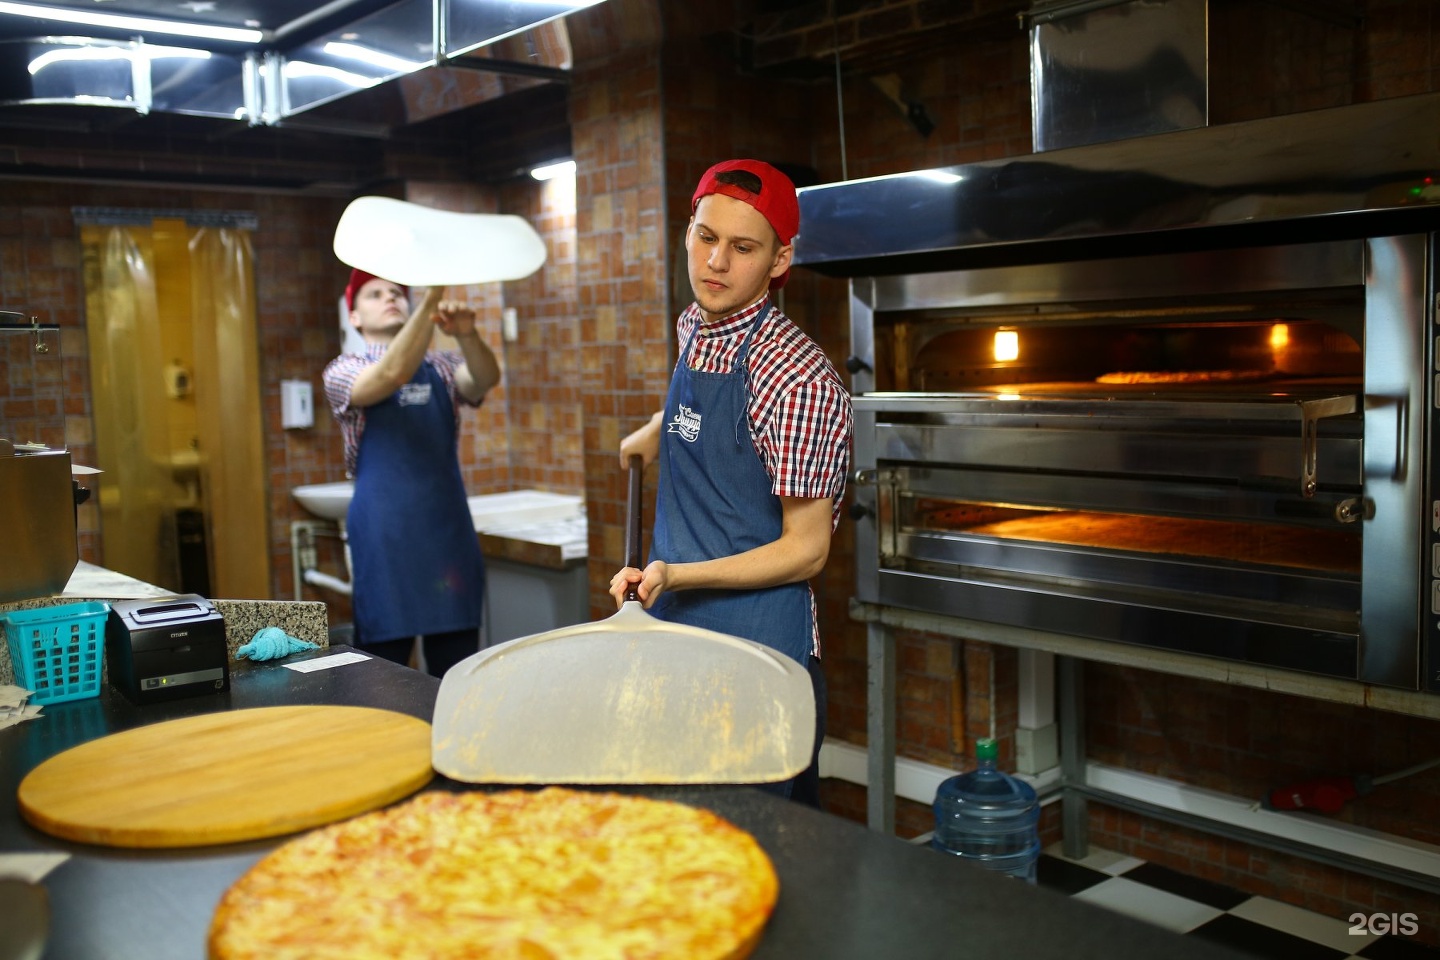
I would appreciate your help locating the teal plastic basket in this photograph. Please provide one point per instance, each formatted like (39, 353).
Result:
(56, 651)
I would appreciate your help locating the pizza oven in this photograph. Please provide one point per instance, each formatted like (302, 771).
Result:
(1177, 391)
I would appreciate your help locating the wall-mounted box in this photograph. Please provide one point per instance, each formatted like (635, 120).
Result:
(297, 404)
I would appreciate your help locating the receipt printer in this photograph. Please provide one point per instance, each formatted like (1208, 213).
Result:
(167, 648)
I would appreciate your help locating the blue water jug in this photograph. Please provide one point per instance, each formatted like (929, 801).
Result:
(988, 817)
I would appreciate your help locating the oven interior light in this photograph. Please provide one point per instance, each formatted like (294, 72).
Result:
(1279, 336)
(1007, 346)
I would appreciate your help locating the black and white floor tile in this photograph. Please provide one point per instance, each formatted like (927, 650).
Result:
(1258, 926)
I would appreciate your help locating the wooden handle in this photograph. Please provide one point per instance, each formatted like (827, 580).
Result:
(632, 524)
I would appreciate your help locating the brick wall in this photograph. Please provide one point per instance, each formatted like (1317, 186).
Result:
(543, 428)
(620, 267)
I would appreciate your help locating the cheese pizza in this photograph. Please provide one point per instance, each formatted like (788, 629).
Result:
(530, 875)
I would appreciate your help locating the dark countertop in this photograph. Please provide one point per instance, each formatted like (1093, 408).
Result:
(845, 891)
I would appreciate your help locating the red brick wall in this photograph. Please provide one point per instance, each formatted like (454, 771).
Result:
(543, 429)
(620, 265)
(1270, 59)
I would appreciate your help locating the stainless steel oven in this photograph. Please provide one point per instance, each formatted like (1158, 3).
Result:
(1189, 408)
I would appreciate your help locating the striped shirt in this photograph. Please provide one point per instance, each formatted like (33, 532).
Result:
(340, 376)
(799, 410)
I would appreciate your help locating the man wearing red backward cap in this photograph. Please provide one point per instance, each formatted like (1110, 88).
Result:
(744, 516)
(415, 561)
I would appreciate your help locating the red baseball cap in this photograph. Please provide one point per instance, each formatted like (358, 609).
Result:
(358, 279)
(776, 200)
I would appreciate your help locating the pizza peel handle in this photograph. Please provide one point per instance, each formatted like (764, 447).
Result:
(632, 521)
(630, 699)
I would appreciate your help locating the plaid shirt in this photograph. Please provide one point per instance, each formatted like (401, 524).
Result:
(340, 376)
(799, 410)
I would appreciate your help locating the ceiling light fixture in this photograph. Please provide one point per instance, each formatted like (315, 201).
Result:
(363, 54)
(302, 69)
(147, 52)
(143, 24)
(565, 168)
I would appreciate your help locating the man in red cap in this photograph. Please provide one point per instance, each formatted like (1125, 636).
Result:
(416, 568)
(744, 516)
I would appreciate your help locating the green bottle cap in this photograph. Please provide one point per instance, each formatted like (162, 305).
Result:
(987, 748)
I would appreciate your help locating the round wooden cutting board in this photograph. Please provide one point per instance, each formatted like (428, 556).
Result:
(225, 777)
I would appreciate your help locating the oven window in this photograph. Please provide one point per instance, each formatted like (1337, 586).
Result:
(1196, 540)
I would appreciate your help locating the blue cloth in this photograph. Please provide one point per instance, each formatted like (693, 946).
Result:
(715, 500)
(272, 643)
(413, 549)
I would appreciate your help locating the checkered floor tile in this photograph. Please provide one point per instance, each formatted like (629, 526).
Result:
(1253, 925)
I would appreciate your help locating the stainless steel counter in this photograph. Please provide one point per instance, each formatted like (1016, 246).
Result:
(845, 891)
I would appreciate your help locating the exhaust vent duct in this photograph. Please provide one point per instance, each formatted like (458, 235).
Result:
(284, 75)
(1103, 70)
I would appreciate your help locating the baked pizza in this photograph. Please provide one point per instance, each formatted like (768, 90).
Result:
(531, 875)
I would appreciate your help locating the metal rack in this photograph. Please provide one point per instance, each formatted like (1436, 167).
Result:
(11, 320)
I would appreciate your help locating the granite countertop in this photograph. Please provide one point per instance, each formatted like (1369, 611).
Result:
(304, 620)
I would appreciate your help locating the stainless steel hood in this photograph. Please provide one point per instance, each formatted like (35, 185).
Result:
(1362, 170)
(300, 56)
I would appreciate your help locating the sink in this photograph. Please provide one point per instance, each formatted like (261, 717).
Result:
(328, 500)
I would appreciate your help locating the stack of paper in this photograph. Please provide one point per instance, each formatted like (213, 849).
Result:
(13, 706)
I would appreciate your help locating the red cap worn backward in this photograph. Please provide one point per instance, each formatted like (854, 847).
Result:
(776, 200)
(358, 279)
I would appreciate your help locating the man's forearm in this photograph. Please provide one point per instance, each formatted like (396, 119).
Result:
(481, 370)
(799, 554)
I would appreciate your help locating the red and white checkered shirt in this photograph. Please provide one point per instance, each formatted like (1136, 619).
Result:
(799, 410)
(340, 376)
(801, 420)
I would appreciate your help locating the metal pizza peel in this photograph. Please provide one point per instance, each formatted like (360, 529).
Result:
(629, 699)
(420, 246)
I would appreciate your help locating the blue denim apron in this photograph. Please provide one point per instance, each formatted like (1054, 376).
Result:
(414, 556)
(715, 500)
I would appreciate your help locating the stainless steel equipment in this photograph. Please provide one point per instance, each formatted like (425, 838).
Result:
(38, 550)
(1175, 392)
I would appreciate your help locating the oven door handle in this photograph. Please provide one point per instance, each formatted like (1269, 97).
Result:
(1348, 510)
(1311, 413)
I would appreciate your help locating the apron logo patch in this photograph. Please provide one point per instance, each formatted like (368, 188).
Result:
(686, 424)
(414, 395)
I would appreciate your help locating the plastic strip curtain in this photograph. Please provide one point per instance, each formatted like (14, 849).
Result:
(227, 400)
(131, 440)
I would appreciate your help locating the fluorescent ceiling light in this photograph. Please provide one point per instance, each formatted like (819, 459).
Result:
(363, 54)
(565, 168)
(296, 69)
(146, 52)
(143, 24)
